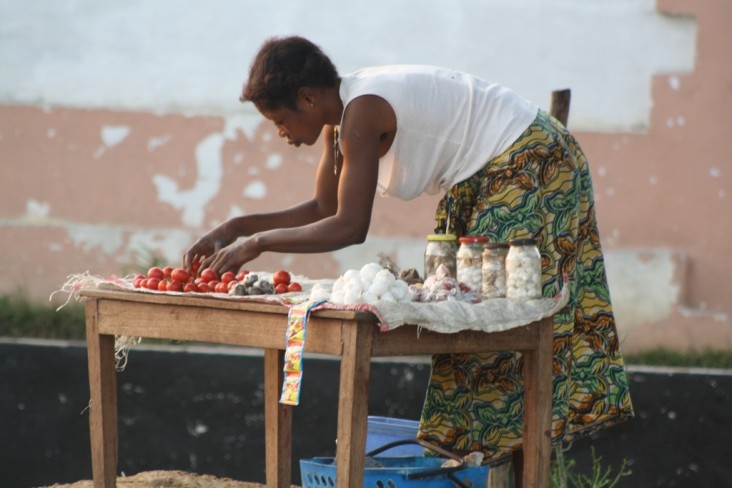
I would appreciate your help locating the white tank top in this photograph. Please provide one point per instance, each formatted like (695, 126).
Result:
(449, 124)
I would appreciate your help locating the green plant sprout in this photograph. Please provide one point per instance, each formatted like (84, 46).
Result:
(600, 477)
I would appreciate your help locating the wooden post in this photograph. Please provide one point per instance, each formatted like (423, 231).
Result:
(277, 423)
(103, 397)
(559, 107)
(538, 407)
(353, 402)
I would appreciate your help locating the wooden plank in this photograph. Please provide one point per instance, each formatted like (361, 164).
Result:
(409, 340)
(169, 321)
(223, 326)
(559, 107)
(353, 403)
(103, 398)
(277, 423)
(191, 300)
(538, 408)
(216, 301)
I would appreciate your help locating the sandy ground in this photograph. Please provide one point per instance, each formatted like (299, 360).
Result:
(499, 477)
(168, 479)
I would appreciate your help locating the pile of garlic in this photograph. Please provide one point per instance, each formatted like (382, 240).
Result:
(371, 284)
(441, 286)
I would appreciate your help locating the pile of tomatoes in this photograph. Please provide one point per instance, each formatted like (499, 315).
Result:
(208, 280)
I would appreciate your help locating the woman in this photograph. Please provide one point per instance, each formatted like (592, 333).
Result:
(508, 170)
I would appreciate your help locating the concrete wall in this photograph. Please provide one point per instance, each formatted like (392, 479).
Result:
(121, 135)
(201, 410)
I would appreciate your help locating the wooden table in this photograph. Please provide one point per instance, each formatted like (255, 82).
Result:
(353, 336)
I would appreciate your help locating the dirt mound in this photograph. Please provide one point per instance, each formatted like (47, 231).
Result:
(168, 479)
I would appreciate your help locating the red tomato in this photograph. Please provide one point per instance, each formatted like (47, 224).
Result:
(212, 284)
(281, 276)
(280, 288)
(294, 286)
(143, 283)
(190, 288)
(227, 277)
(174, 285)
(203, 287)
(167, 271)
(179, 274)
(209, 274)
(231, 284)
(242, 274)
(221, 287)
(163, 285)
(153, 283)
(155, 272)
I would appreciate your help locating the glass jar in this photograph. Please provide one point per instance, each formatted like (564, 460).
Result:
(494, 270)
(441, 249)
(523, 270)
(470, 261)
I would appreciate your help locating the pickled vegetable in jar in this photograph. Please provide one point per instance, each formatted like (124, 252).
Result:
(523, 270)
(441, 249)
(494, 270)
(470, 261)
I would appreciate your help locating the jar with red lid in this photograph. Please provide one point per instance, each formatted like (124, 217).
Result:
(470, 261)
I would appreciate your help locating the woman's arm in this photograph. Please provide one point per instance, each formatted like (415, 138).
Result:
(301, 214)
(343, 200)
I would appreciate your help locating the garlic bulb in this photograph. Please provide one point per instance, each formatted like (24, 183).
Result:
(320, 291)
(371, 284)
(368, 271)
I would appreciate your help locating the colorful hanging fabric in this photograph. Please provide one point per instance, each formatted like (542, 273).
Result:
(297, 318)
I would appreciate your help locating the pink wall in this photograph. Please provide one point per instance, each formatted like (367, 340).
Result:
(668, 188)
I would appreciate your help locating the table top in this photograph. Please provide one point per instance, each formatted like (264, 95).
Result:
(257, 324)
(252, 304)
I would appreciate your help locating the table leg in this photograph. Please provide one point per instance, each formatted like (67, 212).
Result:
(353, 399)
(538, 408)
(103, 397)
(277, 423)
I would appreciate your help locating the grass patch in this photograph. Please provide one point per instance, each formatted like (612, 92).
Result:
(691, 359)
(21, 317)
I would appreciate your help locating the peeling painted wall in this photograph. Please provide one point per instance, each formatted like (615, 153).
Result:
(121, 136)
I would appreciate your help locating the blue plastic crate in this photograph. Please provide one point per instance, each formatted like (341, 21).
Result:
(398, 472)
(383, 430)
(394, 473)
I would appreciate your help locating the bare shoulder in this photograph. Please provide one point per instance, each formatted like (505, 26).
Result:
(370, 112)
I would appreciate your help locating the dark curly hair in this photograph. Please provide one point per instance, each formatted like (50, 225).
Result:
(282, 66)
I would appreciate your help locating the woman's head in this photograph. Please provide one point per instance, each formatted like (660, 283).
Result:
(282, 66)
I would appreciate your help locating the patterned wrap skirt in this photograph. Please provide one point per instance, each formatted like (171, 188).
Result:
(540, 187)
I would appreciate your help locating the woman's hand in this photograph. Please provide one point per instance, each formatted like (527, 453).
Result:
(232, 257)
(207, 246)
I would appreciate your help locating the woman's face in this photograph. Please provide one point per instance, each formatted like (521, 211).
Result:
(297, 126)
